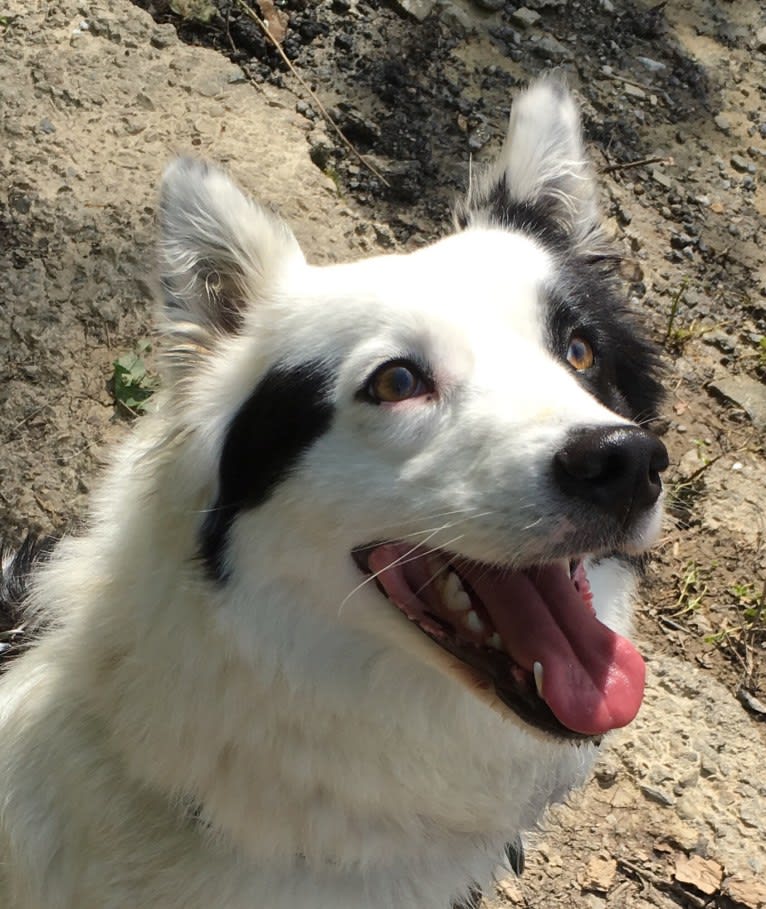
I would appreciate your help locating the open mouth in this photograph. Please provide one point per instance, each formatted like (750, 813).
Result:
(530, 635)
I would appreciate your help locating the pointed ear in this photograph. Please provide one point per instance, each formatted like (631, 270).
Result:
(541, 181)
(219, 253)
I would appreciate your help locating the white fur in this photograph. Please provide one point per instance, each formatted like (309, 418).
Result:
(543, 159)
(284, 740)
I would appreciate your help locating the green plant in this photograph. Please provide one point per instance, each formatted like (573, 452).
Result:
(691, 590)
(132, 383)
(750, 603)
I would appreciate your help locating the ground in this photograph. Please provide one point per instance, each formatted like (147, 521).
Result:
(96, 97)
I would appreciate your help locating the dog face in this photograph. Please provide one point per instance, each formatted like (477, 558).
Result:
(439, 452)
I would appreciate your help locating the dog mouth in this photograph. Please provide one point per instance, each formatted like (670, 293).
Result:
(531, 636)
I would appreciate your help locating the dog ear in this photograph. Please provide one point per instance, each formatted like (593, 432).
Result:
(541, 181)
(219, 253)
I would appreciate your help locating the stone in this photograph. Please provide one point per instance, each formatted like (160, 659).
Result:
(748, 394)
(550, 49)
(654, 66)
(525, 18)
(419, 9)
(456, 18)
(662, 179)
(599, 874)
(723, 123)
(702, 874)
(634, 91)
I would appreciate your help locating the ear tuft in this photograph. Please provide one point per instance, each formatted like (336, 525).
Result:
(219, 253)
(541, 181)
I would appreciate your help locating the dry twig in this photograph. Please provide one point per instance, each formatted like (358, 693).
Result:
(640, 162)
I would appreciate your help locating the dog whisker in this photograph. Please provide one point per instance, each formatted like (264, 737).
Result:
(401, 560)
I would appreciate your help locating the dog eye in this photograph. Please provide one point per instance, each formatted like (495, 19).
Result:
(396, 381)
(580, 354)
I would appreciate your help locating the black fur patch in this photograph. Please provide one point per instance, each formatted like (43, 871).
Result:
(539, 219)
(514, 852)
(16, 565)
(286, 413)
(588, 301)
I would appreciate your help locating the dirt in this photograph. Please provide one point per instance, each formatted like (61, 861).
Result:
(97, 96)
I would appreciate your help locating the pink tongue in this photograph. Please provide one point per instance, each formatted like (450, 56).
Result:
(593, 679)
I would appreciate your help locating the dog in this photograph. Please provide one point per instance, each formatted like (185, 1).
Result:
(350, 609)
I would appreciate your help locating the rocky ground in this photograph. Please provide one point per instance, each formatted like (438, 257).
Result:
(97, 96)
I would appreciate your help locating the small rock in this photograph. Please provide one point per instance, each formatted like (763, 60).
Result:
(739, 163)
(702, 874)
(304, 109)
(20, 203)
(750, 701)
(478, 138)
(456, 18)
(747, 393)
(525, 18)
(656, 795)
(633, 91)
(550, 49)
(663, 179)
(654, 66)
(491, 5)
(718, 338)
(681, 241)
(599, 875)
(760, 38)
(419, 9)
(747, 892)
(723, 123)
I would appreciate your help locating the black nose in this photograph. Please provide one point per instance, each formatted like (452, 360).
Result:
(616, 468)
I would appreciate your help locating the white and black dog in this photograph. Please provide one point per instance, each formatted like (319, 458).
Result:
(348, 611)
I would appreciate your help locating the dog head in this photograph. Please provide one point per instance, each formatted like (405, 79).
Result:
(442, 451)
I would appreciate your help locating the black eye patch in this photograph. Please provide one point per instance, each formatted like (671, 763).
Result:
(588, 303)
(286, 413)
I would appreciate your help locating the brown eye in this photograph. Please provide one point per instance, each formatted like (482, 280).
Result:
(394, 382)
(580, 354)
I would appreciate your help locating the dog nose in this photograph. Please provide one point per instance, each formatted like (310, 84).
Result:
(616, 468)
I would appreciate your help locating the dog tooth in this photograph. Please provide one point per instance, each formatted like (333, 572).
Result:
(494, 641)
(455, 597)
(474, 623)
(537, 668)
